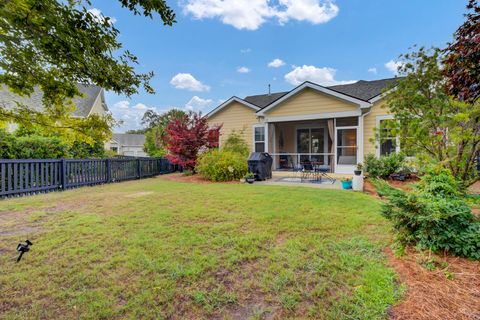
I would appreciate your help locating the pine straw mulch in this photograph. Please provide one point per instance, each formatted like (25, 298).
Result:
(437, 287)
(450, 291)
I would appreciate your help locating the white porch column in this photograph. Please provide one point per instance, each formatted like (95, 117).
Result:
(360, 154)
(267, 140)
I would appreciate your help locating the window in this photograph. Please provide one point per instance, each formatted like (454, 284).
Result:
(114, 149)
(388, 142)
(259, 139)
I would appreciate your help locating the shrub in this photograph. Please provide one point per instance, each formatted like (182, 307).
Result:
(434, 216)
(7, 144)
(222, 165)
(235, 143)
(38, 147)
(384, 166)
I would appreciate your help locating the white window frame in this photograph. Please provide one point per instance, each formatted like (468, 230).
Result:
(265, 132)
(377, 141)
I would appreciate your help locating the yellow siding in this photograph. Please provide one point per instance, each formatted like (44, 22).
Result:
(369, 124)
(311, 102)
(236, 117)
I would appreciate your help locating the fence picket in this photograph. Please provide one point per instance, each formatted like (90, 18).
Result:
(27, 176)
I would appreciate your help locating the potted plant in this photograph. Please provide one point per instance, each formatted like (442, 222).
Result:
(358, 171)
(346, 183)
(250, 177)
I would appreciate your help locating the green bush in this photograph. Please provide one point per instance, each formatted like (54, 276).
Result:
(384, 166)
(7, 144)
(38, 147)
(434, 216)
(235, 143)
(221, 165)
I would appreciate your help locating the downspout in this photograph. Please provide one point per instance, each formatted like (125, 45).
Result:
(362, 136)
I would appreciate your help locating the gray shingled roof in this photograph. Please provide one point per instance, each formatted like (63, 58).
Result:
(366, 90)
(263, 100)
(363, 90)
(127, 139)
(84, 104)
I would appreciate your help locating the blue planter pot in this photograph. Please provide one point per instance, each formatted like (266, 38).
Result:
(347, 185)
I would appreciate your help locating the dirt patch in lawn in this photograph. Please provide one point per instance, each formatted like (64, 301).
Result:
(180, 177)
(20, 223)
(450, 291)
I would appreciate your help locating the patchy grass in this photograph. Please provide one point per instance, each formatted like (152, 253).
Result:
(158, 249)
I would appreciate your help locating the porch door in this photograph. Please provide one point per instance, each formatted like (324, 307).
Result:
(311, 142)
(346, 149)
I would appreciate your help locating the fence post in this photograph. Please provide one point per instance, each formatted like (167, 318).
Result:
(63, 168)
(139, 169)
(108, 168)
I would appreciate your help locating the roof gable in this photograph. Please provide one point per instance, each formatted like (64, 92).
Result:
(360, 103)
(229, 101)
(83, 104)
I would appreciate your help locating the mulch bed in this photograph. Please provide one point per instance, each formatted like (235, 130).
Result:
(450, 291)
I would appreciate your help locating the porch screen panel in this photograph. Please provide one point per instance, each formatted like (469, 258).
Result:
(347, 146)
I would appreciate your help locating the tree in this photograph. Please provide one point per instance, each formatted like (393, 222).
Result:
(54, 44)
(431, 124)
(156, 124)
(462, 61)
(185, 139)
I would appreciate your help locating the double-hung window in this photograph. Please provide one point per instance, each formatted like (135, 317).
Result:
(388, 141)
(259, 138)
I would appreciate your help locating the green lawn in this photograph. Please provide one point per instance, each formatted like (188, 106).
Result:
(156, 249)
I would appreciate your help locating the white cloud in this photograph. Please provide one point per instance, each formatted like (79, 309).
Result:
(313, 11)
(197, 103)
(243, 70)
(276, 63)
(188, 82)
(246, 50)
(251, 14)
(392, 66)
(372, 70)
(130, 115)
(322, 76)
(99, 16)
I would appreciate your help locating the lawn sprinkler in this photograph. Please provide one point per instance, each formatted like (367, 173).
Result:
(22, 248)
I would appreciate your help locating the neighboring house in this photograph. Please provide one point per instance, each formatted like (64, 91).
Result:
(126, 144)
(92, 101)
(331, 126)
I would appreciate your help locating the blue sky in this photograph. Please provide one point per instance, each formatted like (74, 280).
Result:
(218, 49)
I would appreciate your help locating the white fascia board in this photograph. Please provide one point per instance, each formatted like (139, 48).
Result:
(325, 115)
(232, 99)
(316, 87)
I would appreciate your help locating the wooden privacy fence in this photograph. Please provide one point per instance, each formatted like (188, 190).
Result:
(31, 176)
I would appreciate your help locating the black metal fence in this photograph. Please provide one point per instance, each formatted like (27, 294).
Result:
(31, 176)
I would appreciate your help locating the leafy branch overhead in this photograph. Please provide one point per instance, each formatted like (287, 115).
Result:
(54, 45)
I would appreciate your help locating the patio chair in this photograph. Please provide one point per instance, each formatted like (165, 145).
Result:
(308, 171)
(322, 172)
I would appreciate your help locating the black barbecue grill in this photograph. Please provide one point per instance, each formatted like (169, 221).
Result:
(260, 164)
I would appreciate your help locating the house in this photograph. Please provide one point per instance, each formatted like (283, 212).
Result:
(91, 102)
(126, 144)
(331, 126)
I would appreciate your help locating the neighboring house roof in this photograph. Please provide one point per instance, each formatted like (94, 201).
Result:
(360, 92)
(83, 104)
(130, 140)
